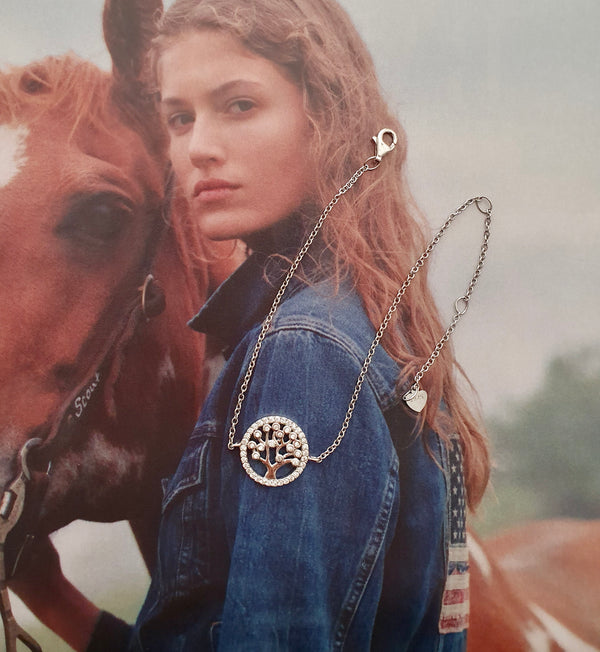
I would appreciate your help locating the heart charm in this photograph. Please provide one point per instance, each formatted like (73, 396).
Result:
(415, 399)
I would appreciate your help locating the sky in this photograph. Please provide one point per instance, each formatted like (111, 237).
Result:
(498, 98)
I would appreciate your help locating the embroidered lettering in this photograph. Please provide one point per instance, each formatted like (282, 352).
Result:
(82, 401)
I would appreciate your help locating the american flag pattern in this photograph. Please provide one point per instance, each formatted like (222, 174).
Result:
(454, 616)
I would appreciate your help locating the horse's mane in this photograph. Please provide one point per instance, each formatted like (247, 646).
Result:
(76, 88)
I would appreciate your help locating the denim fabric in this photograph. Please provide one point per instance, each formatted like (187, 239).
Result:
(352, 555)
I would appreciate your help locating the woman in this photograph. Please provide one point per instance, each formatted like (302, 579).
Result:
(271, 106)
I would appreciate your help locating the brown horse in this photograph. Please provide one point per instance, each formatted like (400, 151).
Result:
(112, 394)
(537, 587)
(82, 170)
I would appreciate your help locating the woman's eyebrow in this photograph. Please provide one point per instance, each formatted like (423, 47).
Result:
(245, 85)
(170, 102)
(234, 84)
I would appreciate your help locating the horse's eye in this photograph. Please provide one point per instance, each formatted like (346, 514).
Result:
(95, 223)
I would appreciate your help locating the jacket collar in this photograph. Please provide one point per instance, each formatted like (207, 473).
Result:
(243, 300)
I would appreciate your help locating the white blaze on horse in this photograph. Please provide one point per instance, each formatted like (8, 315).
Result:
(13, 140)
(89, 367)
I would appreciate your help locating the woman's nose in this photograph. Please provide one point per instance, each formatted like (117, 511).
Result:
(206, 144)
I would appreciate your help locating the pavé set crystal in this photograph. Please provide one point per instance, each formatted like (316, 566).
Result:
(274, 442)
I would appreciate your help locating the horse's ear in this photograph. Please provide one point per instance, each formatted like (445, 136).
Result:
(129, 26)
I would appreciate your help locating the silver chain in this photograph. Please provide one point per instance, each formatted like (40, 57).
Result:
(367, 166)
(461, 303)
(385, 141)
(460, 311)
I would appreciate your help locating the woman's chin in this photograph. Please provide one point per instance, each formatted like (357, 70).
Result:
(219, 230)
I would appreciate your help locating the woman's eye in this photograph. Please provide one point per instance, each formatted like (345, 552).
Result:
(179, 121)
(241, 106)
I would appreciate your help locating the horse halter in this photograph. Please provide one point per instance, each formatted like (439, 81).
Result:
(17, 509)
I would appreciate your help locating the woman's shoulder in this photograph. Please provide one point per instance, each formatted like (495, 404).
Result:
(325, 306)
(329, 316)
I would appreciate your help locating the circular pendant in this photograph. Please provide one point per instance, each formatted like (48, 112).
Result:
(271, 444)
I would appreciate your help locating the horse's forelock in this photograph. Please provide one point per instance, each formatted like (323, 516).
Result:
(78, 89)
(82, 94)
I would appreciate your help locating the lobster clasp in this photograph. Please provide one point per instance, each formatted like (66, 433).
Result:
(385, 141)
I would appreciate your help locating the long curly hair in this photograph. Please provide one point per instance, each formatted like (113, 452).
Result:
(375, 232)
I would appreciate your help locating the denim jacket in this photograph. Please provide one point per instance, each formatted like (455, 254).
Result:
(356, 553)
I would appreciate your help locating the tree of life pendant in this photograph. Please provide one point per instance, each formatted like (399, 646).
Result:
(275, 443)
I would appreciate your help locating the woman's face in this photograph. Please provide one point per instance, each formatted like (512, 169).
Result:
(239, 135)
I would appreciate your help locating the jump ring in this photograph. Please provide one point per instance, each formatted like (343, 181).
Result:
(372, 163)
(461, 305)
(485, 211)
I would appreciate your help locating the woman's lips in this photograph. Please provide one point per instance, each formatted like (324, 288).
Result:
(211, 190)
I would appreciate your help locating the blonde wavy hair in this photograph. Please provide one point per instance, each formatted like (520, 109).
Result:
(375, 232)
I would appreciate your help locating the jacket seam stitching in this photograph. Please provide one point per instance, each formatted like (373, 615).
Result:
(367, 563)
(386, 399)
